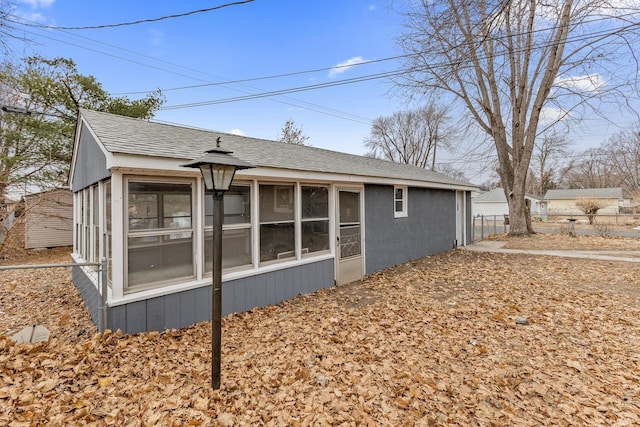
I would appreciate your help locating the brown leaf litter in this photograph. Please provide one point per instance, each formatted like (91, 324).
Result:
(430, 342)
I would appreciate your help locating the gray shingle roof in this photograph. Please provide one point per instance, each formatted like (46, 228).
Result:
(596, 193)
(127, 135)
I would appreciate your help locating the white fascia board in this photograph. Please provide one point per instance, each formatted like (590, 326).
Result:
(153, 165)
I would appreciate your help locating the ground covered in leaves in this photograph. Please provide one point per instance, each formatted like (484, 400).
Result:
(432, 342)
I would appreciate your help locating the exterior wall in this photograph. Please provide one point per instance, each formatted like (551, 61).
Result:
(429, 228)
(87, 288)
(49, 220)
(90, 163)
(192, 306)
(468, 219)
(568, 207)
(490, 208)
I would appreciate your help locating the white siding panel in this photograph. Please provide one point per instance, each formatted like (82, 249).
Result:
(49, 220)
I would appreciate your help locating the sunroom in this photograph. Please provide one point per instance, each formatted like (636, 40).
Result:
(293, 225)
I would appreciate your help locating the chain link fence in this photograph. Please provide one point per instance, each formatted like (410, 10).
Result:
(484, 225)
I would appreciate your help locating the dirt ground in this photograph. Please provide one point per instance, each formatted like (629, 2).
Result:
(430, 342)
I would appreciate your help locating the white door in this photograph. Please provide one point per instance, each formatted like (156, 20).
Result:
(460, 218)
(349, 266)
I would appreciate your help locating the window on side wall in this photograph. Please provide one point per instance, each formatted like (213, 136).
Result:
(159, 232)
(400, 193)
(236, 229)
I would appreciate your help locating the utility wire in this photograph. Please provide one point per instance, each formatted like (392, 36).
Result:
(394, 73)
(141, 21)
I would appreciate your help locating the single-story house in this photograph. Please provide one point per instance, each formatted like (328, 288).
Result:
(48, 219)
(563, 202)
(303, 219)
(7, 205)
(494, 203)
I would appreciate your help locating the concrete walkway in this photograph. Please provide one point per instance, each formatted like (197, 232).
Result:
(498, 247)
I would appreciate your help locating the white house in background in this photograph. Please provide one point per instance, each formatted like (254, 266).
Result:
(494, 203)
(563, 202)
(303, 219)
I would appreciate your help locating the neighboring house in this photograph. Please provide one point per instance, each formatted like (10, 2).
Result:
(563, 202)
(48, 219)
(302, 220)
(494, 203)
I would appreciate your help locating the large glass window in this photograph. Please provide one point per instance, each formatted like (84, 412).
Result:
(236, 228)
(277, 222)
(315, 219)
(160, 233)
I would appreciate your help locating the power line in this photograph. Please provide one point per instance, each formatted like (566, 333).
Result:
(141, 21)
(394, 73)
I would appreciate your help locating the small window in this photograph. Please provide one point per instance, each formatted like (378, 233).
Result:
(400, 201)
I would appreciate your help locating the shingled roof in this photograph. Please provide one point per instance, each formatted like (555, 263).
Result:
(126, 135)
(596, 193)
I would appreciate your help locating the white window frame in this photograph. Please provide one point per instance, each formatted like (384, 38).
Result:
(403, 213)
(157, 232)
(243, 226)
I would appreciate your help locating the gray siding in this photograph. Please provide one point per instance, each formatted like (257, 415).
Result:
(429, 228)
(192, 306)
(90, 163)
(89, 293)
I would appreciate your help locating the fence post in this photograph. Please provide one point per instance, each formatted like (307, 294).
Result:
(482, 227)
(103, 293)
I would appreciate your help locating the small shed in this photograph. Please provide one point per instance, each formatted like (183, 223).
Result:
(563, 202)
(494, 203)
(303, 219)
(48, 219)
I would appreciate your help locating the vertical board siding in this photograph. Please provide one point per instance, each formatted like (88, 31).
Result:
(429, 228)
(90, 164)
(192, 306)
(90, 294)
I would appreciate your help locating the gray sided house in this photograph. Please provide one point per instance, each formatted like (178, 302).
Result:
(304, 219)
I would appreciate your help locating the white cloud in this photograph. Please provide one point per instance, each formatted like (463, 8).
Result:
(372, 7)
(550, 115)
(33, 17)
(157, 37)
(588, 83)
(344, 66)
(38, 3)
(237, 132)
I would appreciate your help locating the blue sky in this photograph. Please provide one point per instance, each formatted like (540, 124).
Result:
(257, 39)
(262, 38)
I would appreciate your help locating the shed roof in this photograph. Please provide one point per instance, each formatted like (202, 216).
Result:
(126, 135)
(596, 193)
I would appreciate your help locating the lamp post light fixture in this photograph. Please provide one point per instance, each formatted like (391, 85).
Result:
(218, 167)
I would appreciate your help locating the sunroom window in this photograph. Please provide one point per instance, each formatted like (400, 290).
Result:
(315, 219)
(160, 232)
(277, 222)
(236, 229)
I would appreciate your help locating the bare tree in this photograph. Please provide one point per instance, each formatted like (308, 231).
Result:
(291, 134)
(592, 171)
(590, 207)
(622, 154)
(549, 163)
(410, 137)
(510, 64)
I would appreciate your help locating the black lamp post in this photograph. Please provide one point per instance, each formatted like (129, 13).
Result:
(218, 168)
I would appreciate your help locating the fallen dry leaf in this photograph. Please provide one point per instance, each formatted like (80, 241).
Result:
(430, 342)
